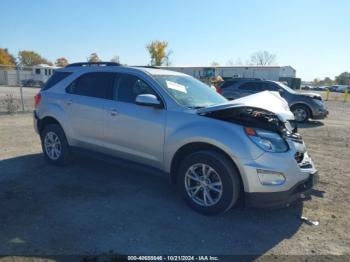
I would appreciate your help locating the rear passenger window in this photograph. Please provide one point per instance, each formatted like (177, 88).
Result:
(252, 86)
(54, 79)
(129, 87)
(99, 85)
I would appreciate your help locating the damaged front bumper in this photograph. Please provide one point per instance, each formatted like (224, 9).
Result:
(298, 169)
(282, 198)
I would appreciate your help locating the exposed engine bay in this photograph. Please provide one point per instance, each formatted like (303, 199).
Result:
(259, 118)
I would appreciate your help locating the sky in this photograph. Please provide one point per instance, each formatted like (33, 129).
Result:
(313, 36)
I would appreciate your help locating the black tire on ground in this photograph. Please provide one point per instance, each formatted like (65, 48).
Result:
(65, 156)
(227, 172)
(299, 110)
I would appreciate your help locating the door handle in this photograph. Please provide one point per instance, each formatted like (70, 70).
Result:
(113, 112)
(69, 102)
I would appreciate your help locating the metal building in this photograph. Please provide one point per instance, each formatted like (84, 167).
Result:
(264, 72)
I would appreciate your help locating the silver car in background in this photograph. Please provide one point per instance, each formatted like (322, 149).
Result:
(214, 150)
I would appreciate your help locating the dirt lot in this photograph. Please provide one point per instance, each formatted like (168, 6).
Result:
(93, 207)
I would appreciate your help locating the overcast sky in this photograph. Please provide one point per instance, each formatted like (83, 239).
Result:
(313, 36)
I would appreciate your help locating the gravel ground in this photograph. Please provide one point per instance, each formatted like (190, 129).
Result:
(93, 207)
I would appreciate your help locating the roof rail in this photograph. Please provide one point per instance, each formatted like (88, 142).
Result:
(93, 64)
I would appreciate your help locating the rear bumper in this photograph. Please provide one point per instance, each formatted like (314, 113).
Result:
(282, 198)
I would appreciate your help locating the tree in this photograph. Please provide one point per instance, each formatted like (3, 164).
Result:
(61, 62)
(157, 51)
(325, 82)
(214, 63)
(6, 58)
(262, 58)
(343, 78)
(115, 59)
(30, 58)
(93, 58)
(231, 62)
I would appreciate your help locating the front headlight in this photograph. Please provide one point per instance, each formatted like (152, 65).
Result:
(319, 102)
(266, 140)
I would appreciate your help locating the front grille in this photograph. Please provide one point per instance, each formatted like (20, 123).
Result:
(299, 157)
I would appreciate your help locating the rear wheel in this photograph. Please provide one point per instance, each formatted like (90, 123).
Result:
(54, 145)
(301, 113)
(209, 182)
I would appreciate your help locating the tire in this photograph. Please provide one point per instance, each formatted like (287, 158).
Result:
(224, 172)
(301, 113)
(61, 155)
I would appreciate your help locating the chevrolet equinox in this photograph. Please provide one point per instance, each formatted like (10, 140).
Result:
(214, 150)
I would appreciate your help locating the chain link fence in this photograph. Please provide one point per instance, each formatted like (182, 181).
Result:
(18, 86)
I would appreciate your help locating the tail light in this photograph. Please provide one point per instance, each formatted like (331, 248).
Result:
(37, 99)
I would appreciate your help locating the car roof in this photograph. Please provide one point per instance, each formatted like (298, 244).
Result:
(95, 68)
(158, 71)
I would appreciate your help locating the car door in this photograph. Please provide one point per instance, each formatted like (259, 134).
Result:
(135, 132)
(86, 107)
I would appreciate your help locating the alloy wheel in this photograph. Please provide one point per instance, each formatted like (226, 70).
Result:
(52, 145)
(300, 114)
(203, 185)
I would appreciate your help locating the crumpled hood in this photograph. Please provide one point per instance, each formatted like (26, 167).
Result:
(267, 100)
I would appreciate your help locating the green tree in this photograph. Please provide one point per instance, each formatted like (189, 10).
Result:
(30, 58)
(6, 58)
(158, 53)
(343, 78)
(93, 58)
(61, 62)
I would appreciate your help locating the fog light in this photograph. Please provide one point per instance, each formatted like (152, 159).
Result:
(270, 178)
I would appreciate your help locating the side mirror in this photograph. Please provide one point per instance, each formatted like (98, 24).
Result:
(148, 100)
(281, 90)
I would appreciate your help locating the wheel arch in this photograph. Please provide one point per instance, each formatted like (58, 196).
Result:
(47, 120)
(192, 147)
(303, 105)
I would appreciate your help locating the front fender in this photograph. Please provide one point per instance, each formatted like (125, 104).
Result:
(226, 136)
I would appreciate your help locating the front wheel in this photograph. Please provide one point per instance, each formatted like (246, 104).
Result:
(301, 113)
(209, 182)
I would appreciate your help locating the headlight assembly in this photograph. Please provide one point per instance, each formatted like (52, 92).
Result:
(319, 102)
(267, 140)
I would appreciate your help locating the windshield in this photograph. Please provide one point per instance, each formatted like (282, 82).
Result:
(188, 91)
(287, 88)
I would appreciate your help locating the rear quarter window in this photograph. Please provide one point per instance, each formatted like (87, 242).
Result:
(54, 79)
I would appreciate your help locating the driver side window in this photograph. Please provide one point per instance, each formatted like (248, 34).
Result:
(129, 87)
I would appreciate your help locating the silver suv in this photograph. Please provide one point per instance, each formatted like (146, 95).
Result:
(214, 150)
